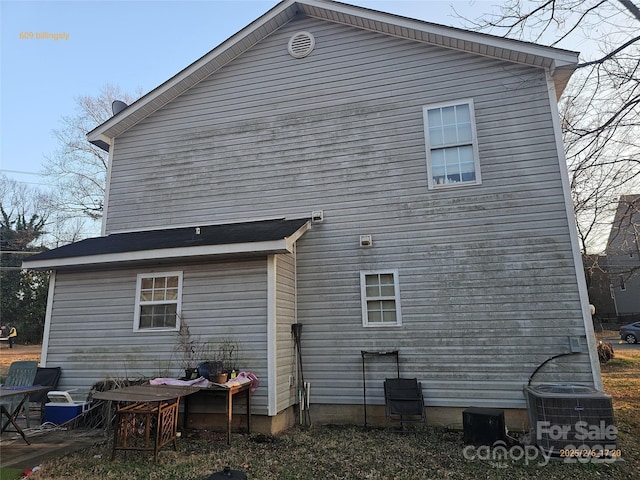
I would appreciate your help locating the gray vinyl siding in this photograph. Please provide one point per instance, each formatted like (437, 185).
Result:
(285, 317)
(623, 256)
(487, 279)
(92, 337)
(331, 116)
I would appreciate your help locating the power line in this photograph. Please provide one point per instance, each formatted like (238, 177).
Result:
(22, 172)
(26, 182)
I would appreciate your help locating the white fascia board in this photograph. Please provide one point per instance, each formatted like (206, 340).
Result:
(107, 191)
(105, 139)
(273, 246)
(291, 240)
(558, 56)
(575, 246)
(47, 320)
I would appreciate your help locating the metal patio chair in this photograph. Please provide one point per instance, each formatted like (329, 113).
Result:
(21, 374)
(47, 377)
(404, 402)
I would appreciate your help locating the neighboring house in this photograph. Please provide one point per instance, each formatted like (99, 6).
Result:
(623, 257)
(387, 183)
(599, 286)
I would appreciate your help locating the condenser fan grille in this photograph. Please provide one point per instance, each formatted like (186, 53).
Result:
(565, 417)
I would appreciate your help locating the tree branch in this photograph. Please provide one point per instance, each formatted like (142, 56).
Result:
(610, 54)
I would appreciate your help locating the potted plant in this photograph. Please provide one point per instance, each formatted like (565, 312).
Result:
(218, 375)
(225, 362)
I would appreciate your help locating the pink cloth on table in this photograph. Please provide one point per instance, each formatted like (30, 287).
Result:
(242, 378)
(251, 376)
(198, 382)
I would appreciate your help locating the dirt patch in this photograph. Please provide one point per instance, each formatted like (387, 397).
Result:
(18, 352)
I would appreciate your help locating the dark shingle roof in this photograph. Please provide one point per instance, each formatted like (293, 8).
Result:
(175, 238)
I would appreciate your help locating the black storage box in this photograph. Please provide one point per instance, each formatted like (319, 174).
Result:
(483, 426)
(228, 474)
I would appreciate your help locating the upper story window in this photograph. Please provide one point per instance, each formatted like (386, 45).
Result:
(380, 298)
(158, 301)
(452, 146)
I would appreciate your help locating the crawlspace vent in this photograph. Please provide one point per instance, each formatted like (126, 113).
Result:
(301, 44)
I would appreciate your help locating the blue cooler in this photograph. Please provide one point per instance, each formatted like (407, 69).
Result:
(61, 408)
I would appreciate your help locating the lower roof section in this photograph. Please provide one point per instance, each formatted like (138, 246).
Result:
(266, 236)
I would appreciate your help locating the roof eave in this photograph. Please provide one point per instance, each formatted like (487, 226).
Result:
(282, 245)
(249, 248)
(560, 63)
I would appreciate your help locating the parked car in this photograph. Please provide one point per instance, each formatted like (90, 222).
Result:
(630, 333)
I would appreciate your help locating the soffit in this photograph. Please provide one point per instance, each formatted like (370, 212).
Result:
(560, 63)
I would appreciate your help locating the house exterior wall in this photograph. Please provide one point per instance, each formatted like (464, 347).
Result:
(627, 302)
(623, 257)
(599, 286)
(319, 130)
(286, 370)
(487, 274)
(91, 332)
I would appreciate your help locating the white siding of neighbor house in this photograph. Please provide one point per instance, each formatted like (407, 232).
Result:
(91, 331)
(487, 275)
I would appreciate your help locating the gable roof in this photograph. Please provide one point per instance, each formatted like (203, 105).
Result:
(263, 237)
(560, 63)
(625, 227)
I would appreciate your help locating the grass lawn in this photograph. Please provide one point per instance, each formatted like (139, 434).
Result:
(18, 352)
(10, 473)
(352, 452)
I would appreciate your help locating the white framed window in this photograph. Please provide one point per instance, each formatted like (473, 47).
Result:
(380, 293)
(158, 301)
(452, 145)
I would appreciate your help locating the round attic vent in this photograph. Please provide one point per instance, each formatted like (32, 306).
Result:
(301, 44)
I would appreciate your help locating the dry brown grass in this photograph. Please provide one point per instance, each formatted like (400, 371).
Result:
(621, 379)
(18, 352)
(352, 452)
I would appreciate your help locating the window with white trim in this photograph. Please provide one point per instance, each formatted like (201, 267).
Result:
(452, 146)
(380, 294)
(158, 301)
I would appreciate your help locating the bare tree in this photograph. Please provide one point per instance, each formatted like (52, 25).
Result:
(78, 167)
(601, 106)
